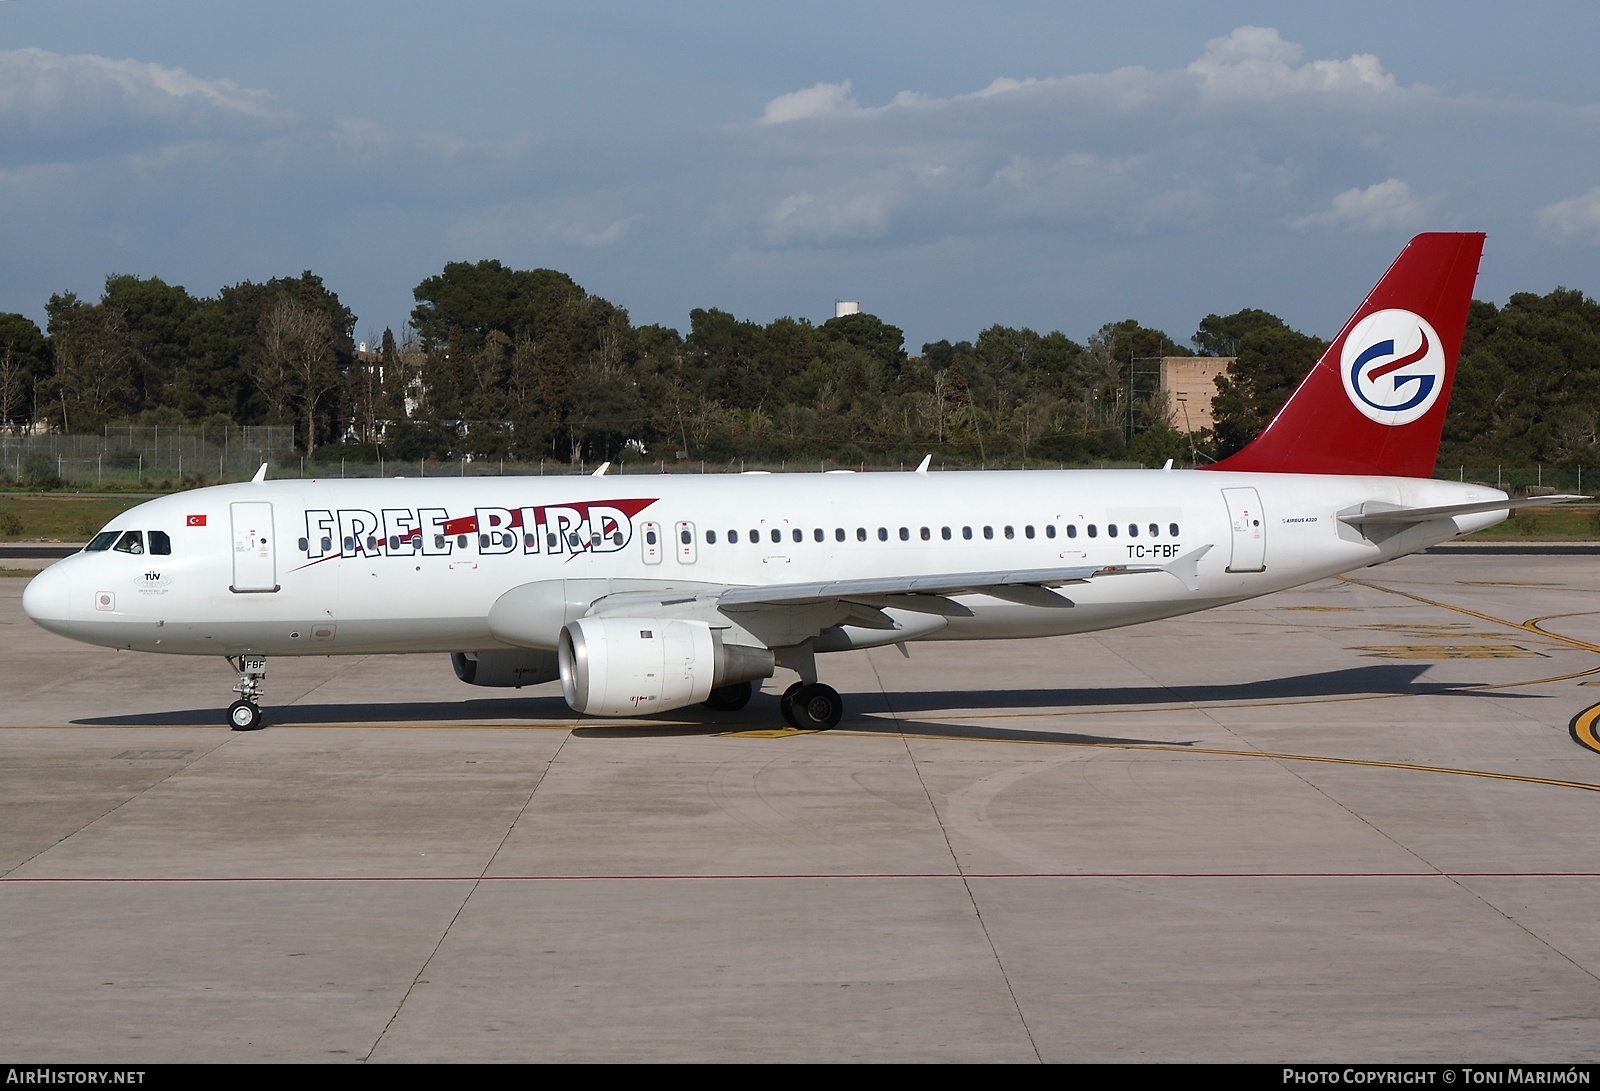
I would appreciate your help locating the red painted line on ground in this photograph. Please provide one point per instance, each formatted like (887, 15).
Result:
(789, 876)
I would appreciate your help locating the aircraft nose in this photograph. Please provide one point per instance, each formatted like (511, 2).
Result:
(48, 599)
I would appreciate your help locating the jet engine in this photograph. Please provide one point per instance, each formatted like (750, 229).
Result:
(505, 669)
(613, 666)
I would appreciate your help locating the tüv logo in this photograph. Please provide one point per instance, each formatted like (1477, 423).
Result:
(1393, 367)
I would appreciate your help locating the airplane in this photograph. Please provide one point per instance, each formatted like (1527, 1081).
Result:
(644, 594)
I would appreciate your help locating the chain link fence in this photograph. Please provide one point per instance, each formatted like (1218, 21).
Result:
(131, 454)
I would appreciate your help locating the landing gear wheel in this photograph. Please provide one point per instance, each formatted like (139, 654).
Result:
(729, 698)
(244, 716)
(786, 704)
(816, 707)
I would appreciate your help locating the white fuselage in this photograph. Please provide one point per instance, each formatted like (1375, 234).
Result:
(293, 567)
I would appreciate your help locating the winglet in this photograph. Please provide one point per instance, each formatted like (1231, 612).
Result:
(922, 467)
(1187, 567)
(261, 475)
(600, 470)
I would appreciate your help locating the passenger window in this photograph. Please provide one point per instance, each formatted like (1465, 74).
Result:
(777, 535)
(1111, 529)
(160, 544)
(817, 534)
(755, 537)
(838, 534)
(1027, 531)
(1172, 528)
(1072, 530)
(1010, 533)
(132, 542)
(711, 537)
(926, 534)
(103, 540)
(733, 537)
(861, 534)
(905, 534)
(1093, 530)
(1049, 530)
(944, 532)
(988, 532)
(966, 532)
(883, 534)
(551, 542)
(686, 537)
(650, 536)
(1155, 530)
(1133, 530)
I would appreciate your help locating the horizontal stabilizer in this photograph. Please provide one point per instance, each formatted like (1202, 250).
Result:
(1378, 514)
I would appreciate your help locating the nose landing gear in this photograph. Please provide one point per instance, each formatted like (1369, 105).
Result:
(245, 713)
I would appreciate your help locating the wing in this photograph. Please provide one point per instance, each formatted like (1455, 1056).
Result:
(788, 613)
(532, 614)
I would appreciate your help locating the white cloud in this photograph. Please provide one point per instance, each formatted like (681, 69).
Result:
(1390, 204)
(57, 106)
(1574, 219)
(536, 225)
(1254, 62)
(840, 216)
(583, 235)
(818, 100)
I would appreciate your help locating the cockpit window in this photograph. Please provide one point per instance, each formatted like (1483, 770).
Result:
(101, 541)
(131, 542)
(160, 543)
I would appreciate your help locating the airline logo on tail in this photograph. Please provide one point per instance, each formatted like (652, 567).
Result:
(1393, 367)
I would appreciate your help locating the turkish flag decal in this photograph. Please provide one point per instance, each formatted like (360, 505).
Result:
(197, 521)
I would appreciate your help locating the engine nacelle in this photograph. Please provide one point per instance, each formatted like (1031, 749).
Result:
(613, 666)
(506, 669)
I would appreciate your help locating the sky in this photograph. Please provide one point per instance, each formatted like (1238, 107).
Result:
(950, 166)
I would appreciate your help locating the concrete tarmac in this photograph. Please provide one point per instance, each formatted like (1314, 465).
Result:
(1348, 823)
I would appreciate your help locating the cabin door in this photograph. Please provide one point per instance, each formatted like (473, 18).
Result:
(1248, 530)
(254, 567)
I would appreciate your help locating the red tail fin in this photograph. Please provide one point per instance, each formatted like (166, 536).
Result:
(1375, 402)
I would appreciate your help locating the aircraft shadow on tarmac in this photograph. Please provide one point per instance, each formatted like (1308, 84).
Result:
(1375, 680)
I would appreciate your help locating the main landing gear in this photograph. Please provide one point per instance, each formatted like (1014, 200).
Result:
(245, 713)
(811, 706)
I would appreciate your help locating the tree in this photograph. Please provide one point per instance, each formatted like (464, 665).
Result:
(93, 380)
(1271, 361)
(1219, 335)
(298, 361)
(459, 307)
(24, 364)
(159, 321)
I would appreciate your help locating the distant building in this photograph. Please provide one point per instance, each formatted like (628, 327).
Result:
(1188, 383)
(842, 307)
